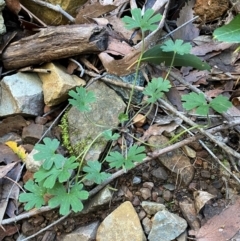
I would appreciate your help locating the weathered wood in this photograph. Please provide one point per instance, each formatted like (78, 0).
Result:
(55, 43)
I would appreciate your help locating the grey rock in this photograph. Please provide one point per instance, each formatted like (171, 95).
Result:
(103, 197)
(145, 192)
(105, 111)
(147, 225)
(169, 186)
(166, 225)
(148, 185)
(152, 208)
(160, 173)
(2, 26)
(84, 233)
(21, 93)
(136, 180)
(167, 195)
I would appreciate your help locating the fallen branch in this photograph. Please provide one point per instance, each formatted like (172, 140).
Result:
(53, 43)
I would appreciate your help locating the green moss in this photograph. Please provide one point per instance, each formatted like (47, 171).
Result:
(81, 145)
(65, 135)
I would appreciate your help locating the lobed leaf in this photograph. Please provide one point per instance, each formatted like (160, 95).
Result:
(155, 89)
(35, 196)
(145, 22)
(194, 100)
(93, 170)
(109, 136)
(81, 99)
(71, 200)
(220, 104)
(178, 47)
(50, 177)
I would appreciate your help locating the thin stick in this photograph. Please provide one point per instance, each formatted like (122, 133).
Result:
(109, 80)
(205, 133)
(55, 8)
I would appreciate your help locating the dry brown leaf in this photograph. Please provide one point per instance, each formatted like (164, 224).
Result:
(157, 130)
(209, 47)
(188, 32)
(89, 11)
(120, 67)
(118, 26)
(221, 227)
(213, 93)
(117, 47)
(200, 199)
(5, 169)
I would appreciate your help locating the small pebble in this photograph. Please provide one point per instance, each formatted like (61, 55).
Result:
(205, 174)
(136, 201)
(167, 195)
(160, 173)
(145, 192)
(148, 185)
(142, 214)
(136, 180)
(169, 187)
(145, 175)
(147, 225)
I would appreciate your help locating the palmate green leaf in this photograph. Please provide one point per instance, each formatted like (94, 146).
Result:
(81, 99)
(50, 177)
(134, 154)
(115, 159)
(109, 136)
(35, 196)
(220, 104)
(123, 117)
(194, 100)
(71, 200)
(156, 55)
(46, 153)
(93, 170)
(155, 89)
(177, 47)
(145, 22)
(230, 32)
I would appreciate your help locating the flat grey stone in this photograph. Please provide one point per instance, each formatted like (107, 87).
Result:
(21, 93)
(152, 208)
(84, 233)
(166, 225)
(84, 127)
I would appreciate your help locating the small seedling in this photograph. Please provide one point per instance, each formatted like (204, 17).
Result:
(193, 100)
(155, 89)
(134, 154)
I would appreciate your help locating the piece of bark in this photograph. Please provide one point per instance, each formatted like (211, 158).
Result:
(55, 43)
